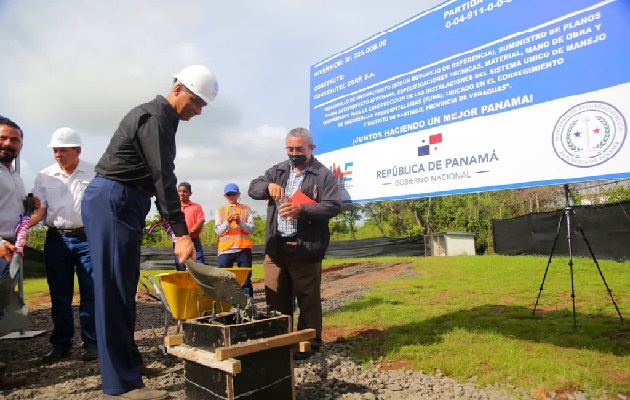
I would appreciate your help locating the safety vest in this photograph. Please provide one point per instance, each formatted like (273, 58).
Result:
(235, 235)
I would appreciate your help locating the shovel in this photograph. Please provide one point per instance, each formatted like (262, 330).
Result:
(223, 286)
(16, 313)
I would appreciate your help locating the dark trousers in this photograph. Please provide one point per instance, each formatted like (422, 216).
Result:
(243, 259)
(114, 215)
(63, 255)
(198, 253)
(286, 277)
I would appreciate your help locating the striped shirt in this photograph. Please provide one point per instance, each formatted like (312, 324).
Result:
(288, 228)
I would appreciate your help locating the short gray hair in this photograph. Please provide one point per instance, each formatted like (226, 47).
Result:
(301, 132)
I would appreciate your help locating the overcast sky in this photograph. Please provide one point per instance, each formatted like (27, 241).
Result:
(84, 64)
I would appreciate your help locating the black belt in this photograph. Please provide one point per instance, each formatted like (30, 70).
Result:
(69, 232)
(287, 239)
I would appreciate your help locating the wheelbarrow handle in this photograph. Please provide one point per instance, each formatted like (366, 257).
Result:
(159, 293)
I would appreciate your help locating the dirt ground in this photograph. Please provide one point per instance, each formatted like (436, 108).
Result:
(75, 379)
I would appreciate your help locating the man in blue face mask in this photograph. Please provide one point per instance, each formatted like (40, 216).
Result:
(303, 195)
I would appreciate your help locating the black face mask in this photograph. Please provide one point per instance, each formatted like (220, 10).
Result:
(298, 159)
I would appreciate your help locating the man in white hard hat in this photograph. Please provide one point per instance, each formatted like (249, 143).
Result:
(137, 164)
(60, 188)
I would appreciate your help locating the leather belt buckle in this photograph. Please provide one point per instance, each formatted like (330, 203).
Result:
(290, 240)
(71, 232)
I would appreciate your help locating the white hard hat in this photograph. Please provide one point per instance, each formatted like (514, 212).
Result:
(65, 137)
(199, 80)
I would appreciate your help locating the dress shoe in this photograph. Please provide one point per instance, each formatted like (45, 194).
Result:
(301, 355)
(56, 354)
(139, 394)
(89, 353)
(7, 382)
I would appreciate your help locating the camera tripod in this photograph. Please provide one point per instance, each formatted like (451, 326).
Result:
(568, 214)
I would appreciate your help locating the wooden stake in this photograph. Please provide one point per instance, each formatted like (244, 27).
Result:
(207, 358)
(241, 349)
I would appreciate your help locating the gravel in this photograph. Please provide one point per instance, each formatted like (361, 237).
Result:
(329, 374)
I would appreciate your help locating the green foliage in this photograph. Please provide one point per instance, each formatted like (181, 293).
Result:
(369, 230)
(159, 237)
(618, 193)
(414, 217)
(258, 237)
(38, 236)
(208, 236)
(346, 222)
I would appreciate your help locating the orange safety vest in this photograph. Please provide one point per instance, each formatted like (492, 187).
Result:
(235, 235)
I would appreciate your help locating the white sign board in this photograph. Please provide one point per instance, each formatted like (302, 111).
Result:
(478, 95)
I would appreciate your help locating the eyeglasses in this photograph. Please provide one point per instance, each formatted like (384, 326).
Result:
(231, 194)
(295, 149)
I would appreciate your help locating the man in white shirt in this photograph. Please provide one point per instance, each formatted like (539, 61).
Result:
(60, 188)
(12, 194)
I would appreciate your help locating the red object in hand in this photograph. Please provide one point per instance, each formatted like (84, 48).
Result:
(300, 198)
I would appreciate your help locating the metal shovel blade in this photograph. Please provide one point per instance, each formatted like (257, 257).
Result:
(7, 285)
(218, 284)
(16, 315)
(16, 264)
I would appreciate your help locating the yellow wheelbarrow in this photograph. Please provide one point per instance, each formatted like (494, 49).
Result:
(183, 299)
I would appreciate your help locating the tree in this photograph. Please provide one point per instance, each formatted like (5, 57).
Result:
(350, 215)
(258, 237)
(618, 193)
(373, 212)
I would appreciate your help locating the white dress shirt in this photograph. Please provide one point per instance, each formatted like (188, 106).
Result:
(61, 194)
(12, 192)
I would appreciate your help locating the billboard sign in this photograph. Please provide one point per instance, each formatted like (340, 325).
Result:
(478, 95)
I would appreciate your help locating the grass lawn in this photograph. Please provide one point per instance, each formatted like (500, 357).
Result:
(471, 318)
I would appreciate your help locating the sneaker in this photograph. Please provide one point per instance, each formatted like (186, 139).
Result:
(139, 394)
(56, 354)
(90, 353)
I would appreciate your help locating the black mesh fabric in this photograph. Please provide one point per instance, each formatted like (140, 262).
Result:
(605, 227)
(162, 258)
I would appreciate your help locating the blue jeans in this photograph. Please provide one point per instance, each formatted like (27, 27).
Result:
(243, 259)
(64, 255)
(198, 253)
(114, 216)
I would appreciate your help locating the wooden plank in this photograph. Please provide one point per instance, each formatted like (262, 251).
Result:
(173, 340)
(240, 349)
(207, 358)
(304, 347)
